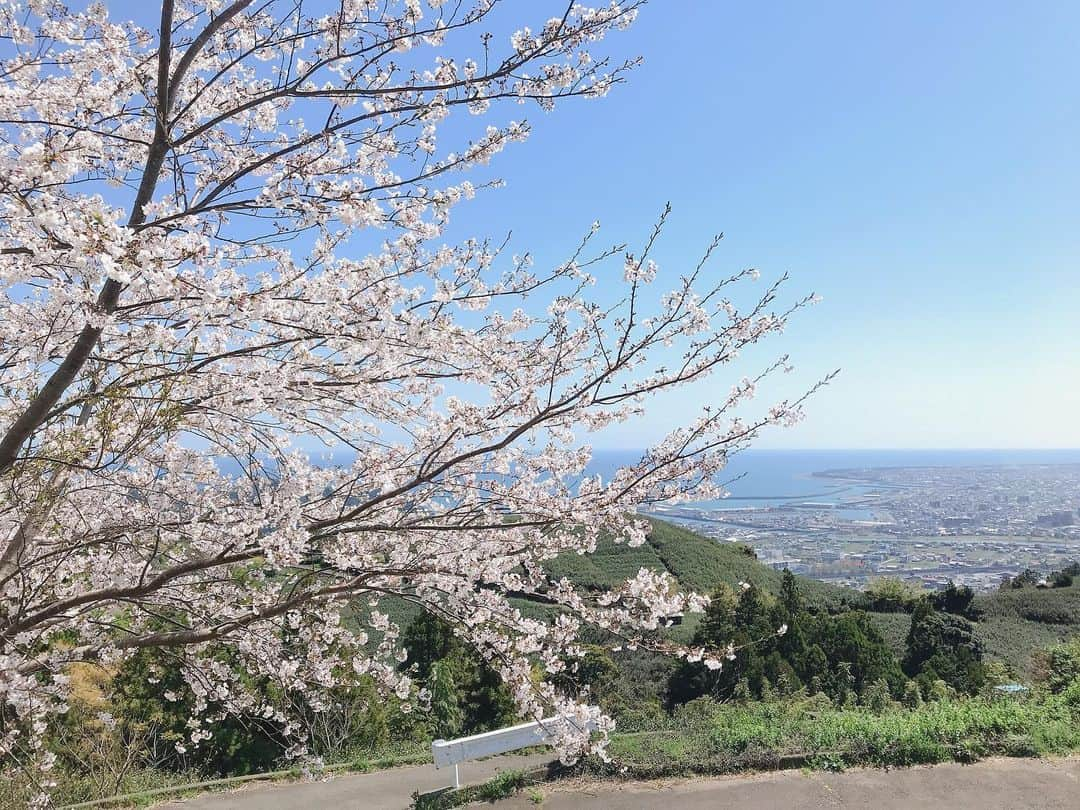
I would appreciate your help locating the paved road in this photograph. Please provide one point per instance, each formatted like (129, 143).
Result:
(997, 784)
(380, 790)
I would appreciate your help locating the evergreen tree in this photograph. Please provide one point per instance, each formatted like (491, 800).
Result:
(445, 700)
(790, 598)
(956, 599)
(946, 646)
(435, 652)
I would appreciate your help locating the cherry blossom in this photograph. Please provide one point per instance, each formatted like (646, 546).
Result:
(222, 259)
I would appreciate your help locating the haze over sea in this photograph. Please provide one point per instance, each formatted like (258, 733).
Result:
(770, 476)
(756, 478)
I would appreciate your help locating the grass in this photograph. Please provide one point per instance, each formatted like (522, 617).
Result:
(705, 737)
(501, 786)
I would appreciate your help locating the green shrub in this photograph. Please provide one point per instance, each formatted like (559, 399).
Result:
(708, 737)
(878, 698)
(501, 786)
(1063, 665)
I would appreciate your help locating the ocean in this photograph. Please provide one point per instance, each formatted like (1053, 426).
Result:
(773, 477)
(770, 477)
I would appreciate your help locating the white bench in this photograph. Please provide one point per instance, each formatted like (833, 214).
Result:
(453, 752)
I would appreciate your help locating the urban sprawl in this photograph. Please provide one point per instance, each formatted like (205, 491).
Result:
(971, 525)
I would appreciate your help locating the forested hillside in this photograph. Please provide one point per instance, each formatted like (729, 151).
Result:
(891, 673)
(1013, 623)
(697, 562)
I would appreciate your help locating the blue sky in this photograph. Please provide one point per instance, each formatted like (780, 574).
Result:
(916, 164)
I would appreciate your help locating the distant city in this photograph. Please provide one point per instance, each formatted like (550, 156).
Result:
(975, 525)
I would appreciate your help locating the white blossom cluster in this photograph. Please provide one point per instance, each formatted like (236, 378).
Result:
(220, 256)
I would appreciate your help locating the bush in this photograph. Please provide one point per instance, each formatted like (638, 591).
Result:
(707, 737)
(1062, 662)
(891, 595)
(878, 698)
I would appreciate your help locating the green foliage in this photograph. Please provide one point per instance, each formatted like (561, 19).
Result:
(708, 737)
(1055, 579)
(697, 563)
(840, 655)
(942, 646)
(446, 713)
(1071, 696)
(471, 697)
(594, 676)
(894, 629)
(140, 695)
(791, 601)
(891, 595)
(912, 695)
(878, 697)
(852, 639)
(956, 599)
(428, 639)
(1025, 579)
(1062, 665)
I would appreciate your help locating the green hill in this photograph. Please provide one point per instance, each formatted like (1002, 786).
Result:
(698, 563)
(1019, 622)
(1016, 623)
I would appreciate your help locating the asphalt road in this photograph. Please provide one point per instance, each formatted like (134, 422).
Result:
(996, 784)
(391, 789)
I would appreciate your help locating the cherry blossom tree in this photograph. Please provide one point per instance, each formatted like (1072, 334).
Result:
(222, 257)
